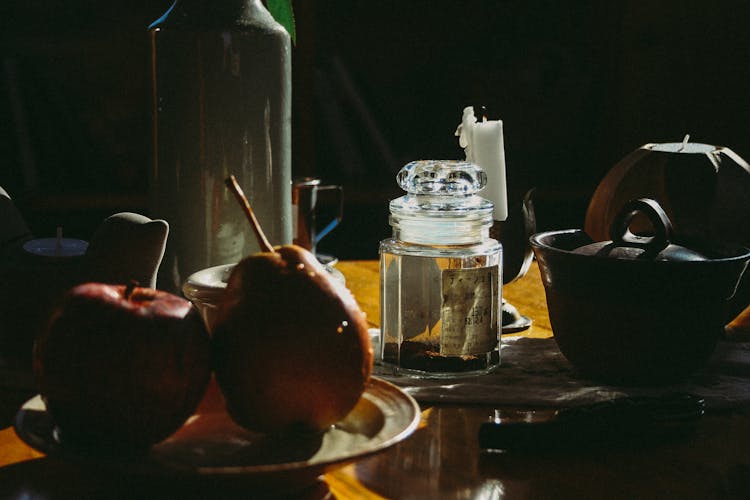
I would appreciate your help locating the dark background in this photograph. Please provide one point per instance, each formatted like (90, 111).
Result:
(578, 84)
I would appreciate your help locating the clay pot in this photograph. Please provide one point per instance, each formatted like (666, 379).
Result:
(649, 314)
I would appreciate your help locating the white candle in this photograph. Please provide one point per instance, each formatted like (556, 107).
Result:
(484, 145)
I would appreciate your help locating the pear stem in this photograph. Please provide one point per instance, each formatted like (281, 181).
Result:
(235, 188)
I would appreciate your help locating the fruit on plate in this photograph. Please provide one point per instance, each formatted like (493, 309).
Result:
(291, 346)
(121, 367)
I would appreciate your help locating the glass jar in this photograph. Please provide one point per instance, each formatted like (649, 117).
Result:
(440, 273)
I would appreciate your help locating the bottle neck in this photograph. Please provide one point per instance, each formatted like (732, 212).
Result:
(209, 13)
(217, 6)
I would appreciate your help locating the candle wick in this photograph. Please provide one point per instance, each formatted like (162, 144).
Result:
(484, 113)
(684, 142)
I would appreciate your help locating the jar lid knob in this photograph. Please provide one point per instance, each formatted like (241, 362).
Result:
(442, 177)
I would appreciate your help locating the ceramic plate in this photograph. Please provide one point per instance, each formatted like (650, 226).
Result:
(210, 444)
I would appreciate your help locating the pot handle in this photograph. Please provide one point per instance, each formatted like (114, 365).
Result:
(620, 232)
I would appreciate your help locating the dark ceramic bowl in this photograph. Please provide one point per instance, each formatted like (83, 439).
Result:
(635, 321)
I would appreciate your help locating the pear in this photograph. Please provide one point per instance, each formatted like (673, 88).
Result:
(291, 346)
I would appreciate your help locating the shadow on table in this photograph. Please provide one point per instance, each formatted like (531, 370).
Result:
(52, 479)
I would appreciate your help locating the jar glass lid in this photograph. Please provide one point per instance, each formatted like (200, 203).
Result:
(443, 189)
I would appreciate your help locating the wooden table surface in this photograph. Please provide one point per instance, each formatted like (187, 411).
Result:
(442, 458)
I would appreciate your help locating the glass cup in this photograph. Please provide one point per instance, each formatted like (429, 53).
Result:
(307, 226)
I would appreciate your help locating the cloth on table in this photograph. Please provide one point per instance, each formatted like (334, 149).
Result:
(534, 373)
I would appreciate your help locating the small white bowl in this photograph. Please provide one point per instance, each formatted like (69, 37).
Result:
(205, 288)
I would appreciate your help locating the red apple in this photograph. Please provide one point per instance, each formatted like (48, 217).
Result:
(122, 367)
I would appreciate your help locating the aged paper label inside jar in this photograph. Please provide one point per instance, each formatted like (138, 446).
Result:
(469, 311)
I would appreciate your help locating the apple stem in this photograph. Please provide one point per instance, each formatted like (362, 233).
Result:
(235, 188)
(129, 289)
